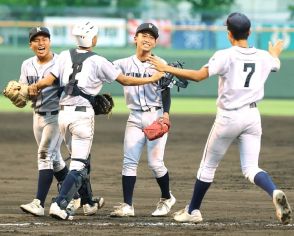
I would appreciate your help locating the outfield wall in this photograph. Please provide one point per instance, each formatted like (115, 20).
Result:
(279, 85)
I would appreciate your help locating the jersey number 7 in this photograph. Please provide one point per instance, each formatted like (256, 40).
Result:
(250, 67)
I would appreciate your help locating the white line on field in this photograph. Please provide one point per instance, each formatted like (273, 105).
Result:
(158, 224)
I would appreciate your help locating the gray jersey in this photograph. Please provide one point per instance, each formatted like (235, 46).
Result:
(96, 70)
(142, 96)
(31, 72)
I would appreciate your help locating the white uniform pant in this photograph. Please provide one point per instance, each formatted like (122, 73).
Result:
(77, 128)
(243, 125)
(49, 139)
(135, 140)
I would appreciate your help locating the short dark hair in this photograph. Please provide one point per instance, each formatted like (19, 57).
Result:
(239, 25)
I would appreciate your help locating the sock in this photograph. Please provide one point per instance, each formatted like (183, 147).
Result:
(60, 175)
(163, 183)
(264, 181)
(200, 189)
(128, 185)
(44, 184)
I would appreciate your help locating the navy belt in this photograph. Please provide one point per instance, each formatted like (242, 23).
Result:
(152, 109)
(44, 113)
(77, 108)
(252, 105)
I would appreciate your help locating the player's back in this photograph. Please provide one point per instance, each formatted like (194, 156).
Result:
(95, 71)
(242, 75)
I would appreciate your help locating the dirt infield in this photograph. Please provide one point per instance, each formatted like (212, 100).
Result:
(232, 206)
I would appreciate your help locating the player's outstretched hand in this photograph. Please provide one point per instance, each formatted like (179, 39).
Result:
(276, 49)
(157, 63)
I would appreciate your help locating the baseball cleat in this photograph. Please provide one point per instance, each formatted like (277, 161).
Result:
(57, 213)
(283, 209)
(73, 206)
(184, 216)
(164, 206)
(100, 201)
(33, 208)
(90, 209)
(123, 210)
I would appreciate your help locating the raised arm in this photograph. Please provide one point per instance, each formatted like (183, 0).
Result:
(43, 83)
(129, 81)
(276, 49)
(195, 75)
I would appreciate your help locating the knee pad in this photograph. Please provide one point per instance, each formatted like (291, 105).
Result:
(79, 164)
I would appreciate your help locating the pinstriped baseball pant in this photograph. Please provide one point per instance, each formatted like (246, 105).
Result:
(135, 140)
(243, 125)
(77, 128)
(49, 139)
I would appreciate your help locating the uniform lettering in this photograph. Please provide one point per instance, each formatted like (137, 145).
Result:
(32, 79)
(134, 74)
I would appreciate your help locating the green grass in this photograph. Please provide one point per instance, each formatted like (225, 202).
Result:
(205, 106)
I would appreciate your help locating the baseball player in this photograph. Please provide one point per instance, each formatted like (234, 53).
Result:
(45, 118)
(146, 103)
(46, 130)
(242, 72)
(76, 117)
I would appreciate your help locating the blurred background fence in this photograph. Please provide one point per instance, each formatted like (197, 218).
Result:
(119, 32)
(189, 31)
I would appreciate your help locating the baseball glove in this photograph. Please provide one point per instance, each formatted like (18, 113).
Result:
(103, 104)
(157, 129)
(169, 80)
(17, 93)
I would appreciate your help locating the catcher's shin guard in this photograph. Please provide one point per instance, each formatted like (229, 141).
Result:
(85, 191)
(70, 186)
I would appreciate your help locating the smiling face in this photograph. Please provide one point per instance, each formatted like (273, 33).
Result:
(41, 45)
(145, 41)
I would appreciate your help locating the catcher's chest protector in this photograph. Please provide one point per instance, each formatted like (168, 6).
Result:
(77, 59)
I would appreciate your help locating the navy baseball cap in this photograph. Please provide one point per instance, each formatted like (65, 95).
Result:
(148, 27)
(38, 31)
(238, 22)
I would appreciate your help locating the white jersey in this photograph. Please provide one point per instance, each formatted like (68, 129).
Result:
(140, 97)
(32, 72)
(242, 75)
(96, 70)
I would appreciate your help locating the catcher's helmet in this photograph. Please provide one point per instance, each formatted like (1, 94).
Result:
(84, 33)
